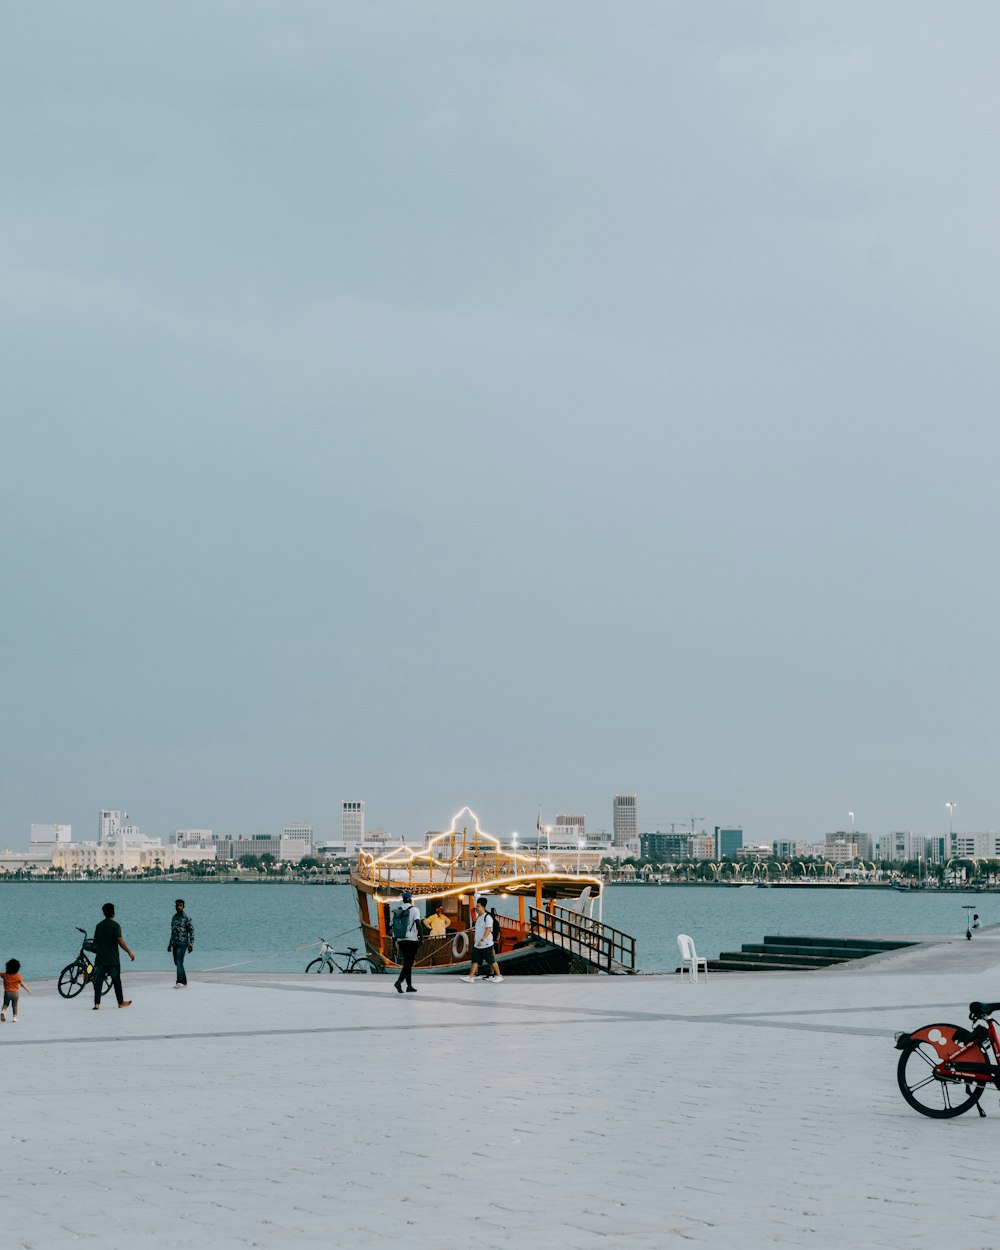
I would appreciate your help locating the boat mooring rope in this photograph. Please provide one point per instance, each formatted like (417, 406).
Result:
(295, 950)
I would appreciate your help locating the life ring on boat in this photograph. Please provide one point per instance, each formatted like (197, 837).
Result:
(460, 946)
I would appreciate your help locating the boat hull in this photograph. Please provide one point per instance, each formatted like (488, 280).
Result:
(529, 960)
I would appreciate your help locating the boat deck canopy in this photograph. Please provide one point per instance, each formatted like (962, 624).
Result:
(457, 862)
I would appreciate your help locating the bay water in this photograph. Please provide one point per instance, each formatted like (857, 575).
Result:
(259, 928)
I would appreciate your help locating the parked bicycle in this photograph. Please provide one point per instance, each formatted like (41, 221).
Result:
(945, 1068)
(79, 973)
(325, 961)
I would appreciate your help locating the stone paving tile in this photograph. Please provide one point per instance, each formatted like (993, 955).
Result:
(631, 1112)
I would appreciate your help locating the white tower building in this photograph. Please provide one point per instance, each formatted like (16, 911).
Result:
(625, 821)
(352, 824)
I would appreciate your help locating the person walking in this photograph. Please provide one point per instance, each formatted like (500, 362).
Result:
(406, 931)
(483, 951)
(13, 983)
(181, 941)
(107, 962)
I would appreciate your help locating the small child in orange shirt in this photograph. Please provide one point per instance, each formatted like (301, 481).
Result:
(12, 982)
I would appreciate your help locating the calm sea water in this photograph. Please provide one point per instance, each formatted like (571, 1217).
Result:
(257, 927)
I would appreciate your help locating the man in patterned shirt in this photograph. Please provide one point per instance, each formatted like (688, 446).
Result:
(181, 941)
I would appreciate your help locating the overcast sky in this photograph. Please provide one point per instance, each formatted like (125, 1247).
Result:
(506, 405)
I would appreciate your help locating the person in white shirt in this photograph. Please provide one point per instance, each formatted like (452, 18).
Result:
(483, 951)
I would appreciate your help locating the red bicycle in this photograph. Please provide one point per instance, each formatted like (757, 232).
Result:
(944, 1069)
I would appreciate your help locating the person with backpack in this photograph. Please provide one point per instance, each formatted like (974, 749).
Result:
(406, 933)
(483, 946)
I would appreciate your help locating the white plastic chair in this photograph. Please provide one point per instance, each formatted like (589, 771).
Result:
(691, 961)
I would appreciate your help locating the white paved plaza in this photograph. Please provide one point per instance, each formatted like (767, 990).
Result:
(278, 1111)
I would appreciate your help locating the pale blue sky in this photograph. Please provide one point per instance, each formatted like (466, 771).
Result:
(508, 405)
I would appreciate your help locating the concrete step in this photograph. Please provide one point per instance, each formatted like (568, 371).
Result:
(833, 939)
(757, 955)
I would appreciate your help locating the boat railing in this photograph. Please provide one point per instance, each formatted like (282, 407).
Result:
(435, 951)
(603, 947)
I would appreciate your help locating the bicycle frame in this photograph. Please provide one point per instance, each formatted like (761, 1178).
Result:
(960, 1051)
(327, 960)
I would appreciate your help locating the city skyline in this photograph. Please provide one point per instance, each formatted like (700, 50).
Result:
(593, 825)
(499, 405)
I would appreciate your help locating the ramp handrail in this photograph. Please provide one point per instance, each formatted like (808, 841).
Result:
(599, 944)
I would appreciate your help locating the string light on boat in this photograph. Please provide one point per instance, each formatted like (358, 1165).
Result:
(497, 886)
(402, 855)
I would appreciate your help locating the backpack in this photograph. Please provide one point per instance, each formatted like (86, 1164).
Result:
(401, 922)
(495, 931)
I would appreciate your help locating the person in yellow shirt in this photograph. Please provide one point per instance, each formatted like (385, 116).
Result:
(438, 922)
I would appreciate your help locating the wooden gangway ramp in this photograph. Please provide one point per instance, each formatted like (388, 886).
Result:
(598, 945)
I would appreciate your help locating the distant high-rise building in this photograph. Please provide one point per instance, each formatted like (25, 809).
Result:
(50, 835)
(625, 823)
(901, 845)
(281, 849)
(975, 845)
(701, 846)
(352, 824)
(203, 839)
(727, 842)
(300, 833)
(842, 847)
(665, 847)
(570, 828)
(110, 828)
(113, 831)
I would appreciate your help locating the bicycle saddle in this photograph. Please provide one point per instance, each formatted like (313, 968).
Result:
(979, 1011)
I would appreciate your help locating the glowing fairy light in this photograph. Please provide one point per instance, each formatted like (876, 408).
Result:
(475, 850)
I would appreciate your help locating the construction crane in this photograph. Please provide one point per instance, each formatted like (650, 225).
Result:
(691, 820)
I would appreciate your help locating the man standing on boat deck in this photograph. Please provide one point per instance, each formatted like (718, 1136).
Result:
(406, 948)
(483, 951)
(438, 922)
(181, 941)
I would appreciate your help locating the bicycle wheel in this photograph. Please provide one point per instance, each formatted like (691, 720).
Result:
(364, 964)
(927, 1093)
(108, 985)
(72, 979)
(315, 965)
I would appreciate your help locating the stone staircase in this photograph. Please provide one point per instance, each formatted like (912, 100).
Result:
(797, 954)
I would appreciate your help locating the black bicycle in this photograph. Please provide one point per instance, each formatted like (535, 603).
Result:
(325, 961)
(79, 973)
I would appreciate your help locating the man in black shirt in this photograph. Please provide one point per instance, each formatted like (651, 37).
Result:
(107, 962)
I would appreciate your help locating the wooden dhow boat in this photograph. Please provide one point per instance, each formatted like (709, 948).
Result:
(549, 922)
